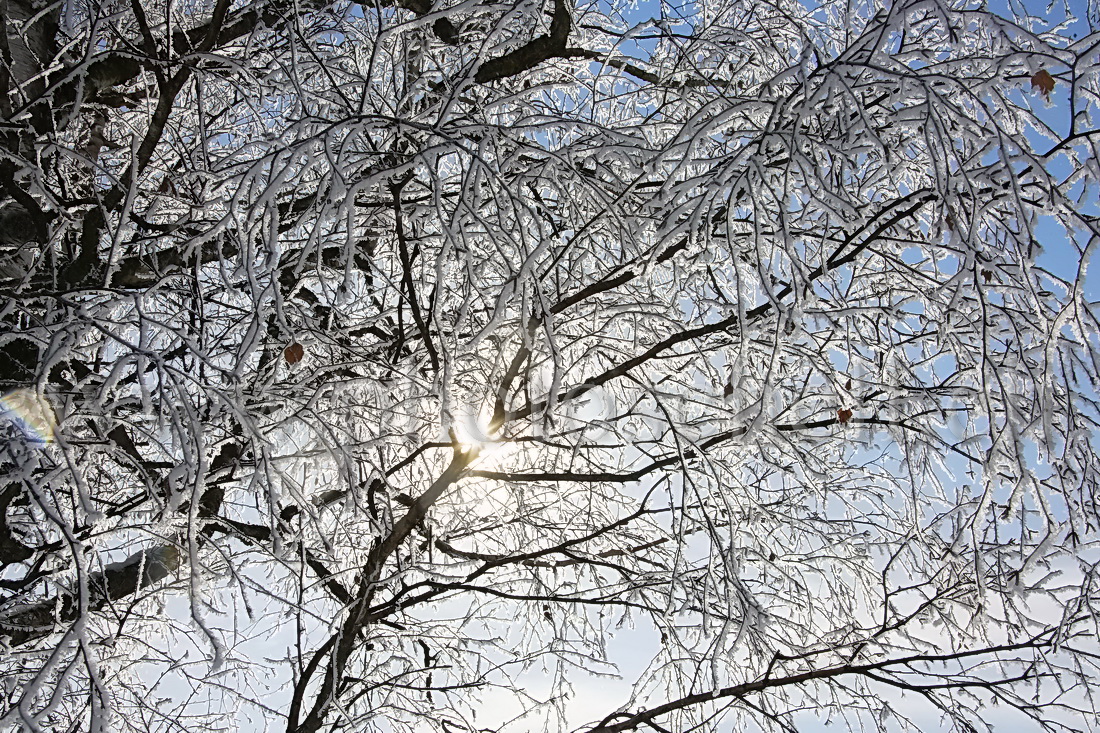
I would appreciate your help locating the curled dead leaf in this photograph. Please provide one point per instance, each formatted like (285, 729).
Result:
(843, 415)
(294, 353)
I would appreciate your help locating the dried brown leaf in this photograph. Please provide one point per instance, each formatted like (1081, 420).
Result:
(1043, 82)
(294, 353)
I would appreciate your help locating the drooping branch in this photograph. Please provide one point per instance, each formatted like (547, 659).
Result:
(120, 580)
(619, 722)
(859, 240)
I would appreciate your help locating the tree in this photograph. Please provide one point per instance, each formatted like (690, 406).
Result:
(364, 360)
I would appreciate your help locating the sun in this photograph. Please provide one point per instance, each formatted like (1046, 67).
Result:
(473, 433)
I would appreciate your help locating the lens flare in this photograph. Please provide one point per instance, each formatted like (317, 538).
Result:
(31, 412)
(471, 431)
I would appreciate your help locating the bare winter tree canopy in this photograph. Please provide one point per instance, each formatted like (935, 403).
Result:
(419, 366)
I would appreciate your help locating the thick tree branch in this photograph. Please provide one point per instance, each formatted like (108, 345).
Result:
(532, 53)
